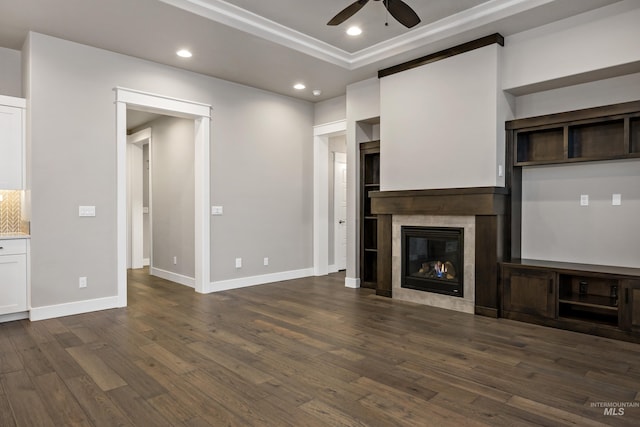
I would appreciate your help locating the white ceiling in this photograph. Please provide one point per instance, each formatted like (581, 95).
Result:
(270, 44)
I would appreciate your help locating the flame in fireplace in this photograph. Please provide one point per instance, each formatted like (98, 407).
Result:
(437, 269)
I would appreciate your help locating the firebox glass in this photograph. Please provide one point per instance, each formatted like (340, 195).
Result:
(433, 259)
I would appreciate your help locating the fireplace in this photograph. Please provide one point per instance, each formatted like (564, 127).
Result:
(433, 259)
(480, 212)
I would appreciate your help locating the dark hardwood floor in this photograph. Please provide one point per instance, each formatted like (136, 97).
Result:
(306, 352)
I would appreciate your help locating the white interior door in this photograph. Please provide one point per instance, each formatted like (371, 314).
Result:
(340, 207)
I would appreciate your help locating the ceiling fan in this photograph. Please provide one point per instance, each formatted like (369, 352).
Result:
(397, 8)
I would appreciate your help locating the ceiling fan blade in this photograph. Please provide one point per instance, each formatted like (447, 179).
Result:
(347, 12)
(402, 12)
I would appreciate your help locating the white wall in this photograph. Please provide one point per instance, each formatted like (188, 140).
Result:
(585, 95)
(10, 72)
(261, 163)
(442, 124)
(330, 111)
(578, 49)
(555, 227)
(173, 195)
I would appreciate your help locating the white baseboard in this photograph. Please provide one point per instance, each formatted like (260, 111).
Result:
(333, 268)
(352, 282)
(146, 262)
(174, 277)
(242, 282)
(14, 316)
(72, 308)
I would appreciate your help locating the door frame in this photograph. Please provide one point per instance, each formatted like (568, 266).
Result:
(321, 135)
(201, 114)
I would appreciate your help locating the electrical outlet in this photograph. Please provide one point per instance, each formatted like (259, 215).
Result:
(584, 200)
(175, 260)
(238, 262)
(500, 171)
(266, 260)
(82, 282)
(217, 210)
(616, 199)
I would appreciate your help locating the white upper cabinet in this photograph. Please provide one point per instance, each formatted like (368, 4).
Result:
(12, 133)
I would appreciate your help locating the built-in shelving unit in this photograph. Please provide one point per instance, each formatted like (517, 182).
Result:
(369, 181)
(603, 138)
(601, 300)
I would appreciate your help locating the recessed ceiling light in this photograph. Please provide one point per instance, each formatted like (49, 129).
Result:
(299, 86)
(317, 92)
(184, 53)
(354, 31)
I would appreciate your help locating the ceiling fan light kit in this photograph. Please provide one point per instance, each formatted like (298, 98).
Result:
(401, 11)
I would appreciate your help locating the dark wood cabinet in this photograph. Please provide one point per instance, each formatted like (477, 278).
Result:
(369, 181)
(599, 300)
(528, 291)
(630, 305)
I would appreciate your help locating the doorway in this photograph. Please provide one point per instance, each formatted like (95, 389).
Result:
(339, 211)
(200, 113)
(139, 192)
(321, 183)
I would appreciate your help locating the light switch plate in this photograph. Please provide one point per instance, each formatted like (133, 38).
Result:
(216, 210)
(616, 199)
(238, 262)
(584, 200)
(86, 211)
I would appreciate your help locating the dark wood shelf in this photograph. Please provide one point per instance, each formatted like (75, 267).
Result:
(579, 160)
(369, 183)
(594, 301)
(609, 137)
(572, 268)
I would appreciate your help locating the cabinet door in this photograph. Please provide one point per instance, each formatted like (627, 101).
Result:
(11, 148)
(13, 283)
(529, 291)
(630, 305)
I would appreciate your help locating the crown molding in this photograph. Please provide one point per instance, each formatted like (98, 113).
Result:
(251, 23)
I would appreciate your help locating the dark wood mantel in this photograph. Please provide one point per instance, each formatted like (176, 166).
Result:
(488, 204)
(454, 201)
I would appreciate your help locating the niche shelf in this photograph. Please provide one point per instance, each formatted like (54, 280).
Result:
(603, 138)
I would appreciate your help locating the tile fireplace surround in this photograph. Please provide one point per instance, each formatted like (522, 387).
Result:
(480, 211)
(468, 223)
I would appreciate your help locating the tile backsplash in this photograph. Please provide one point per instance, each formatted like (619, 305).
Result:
(11, 212)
